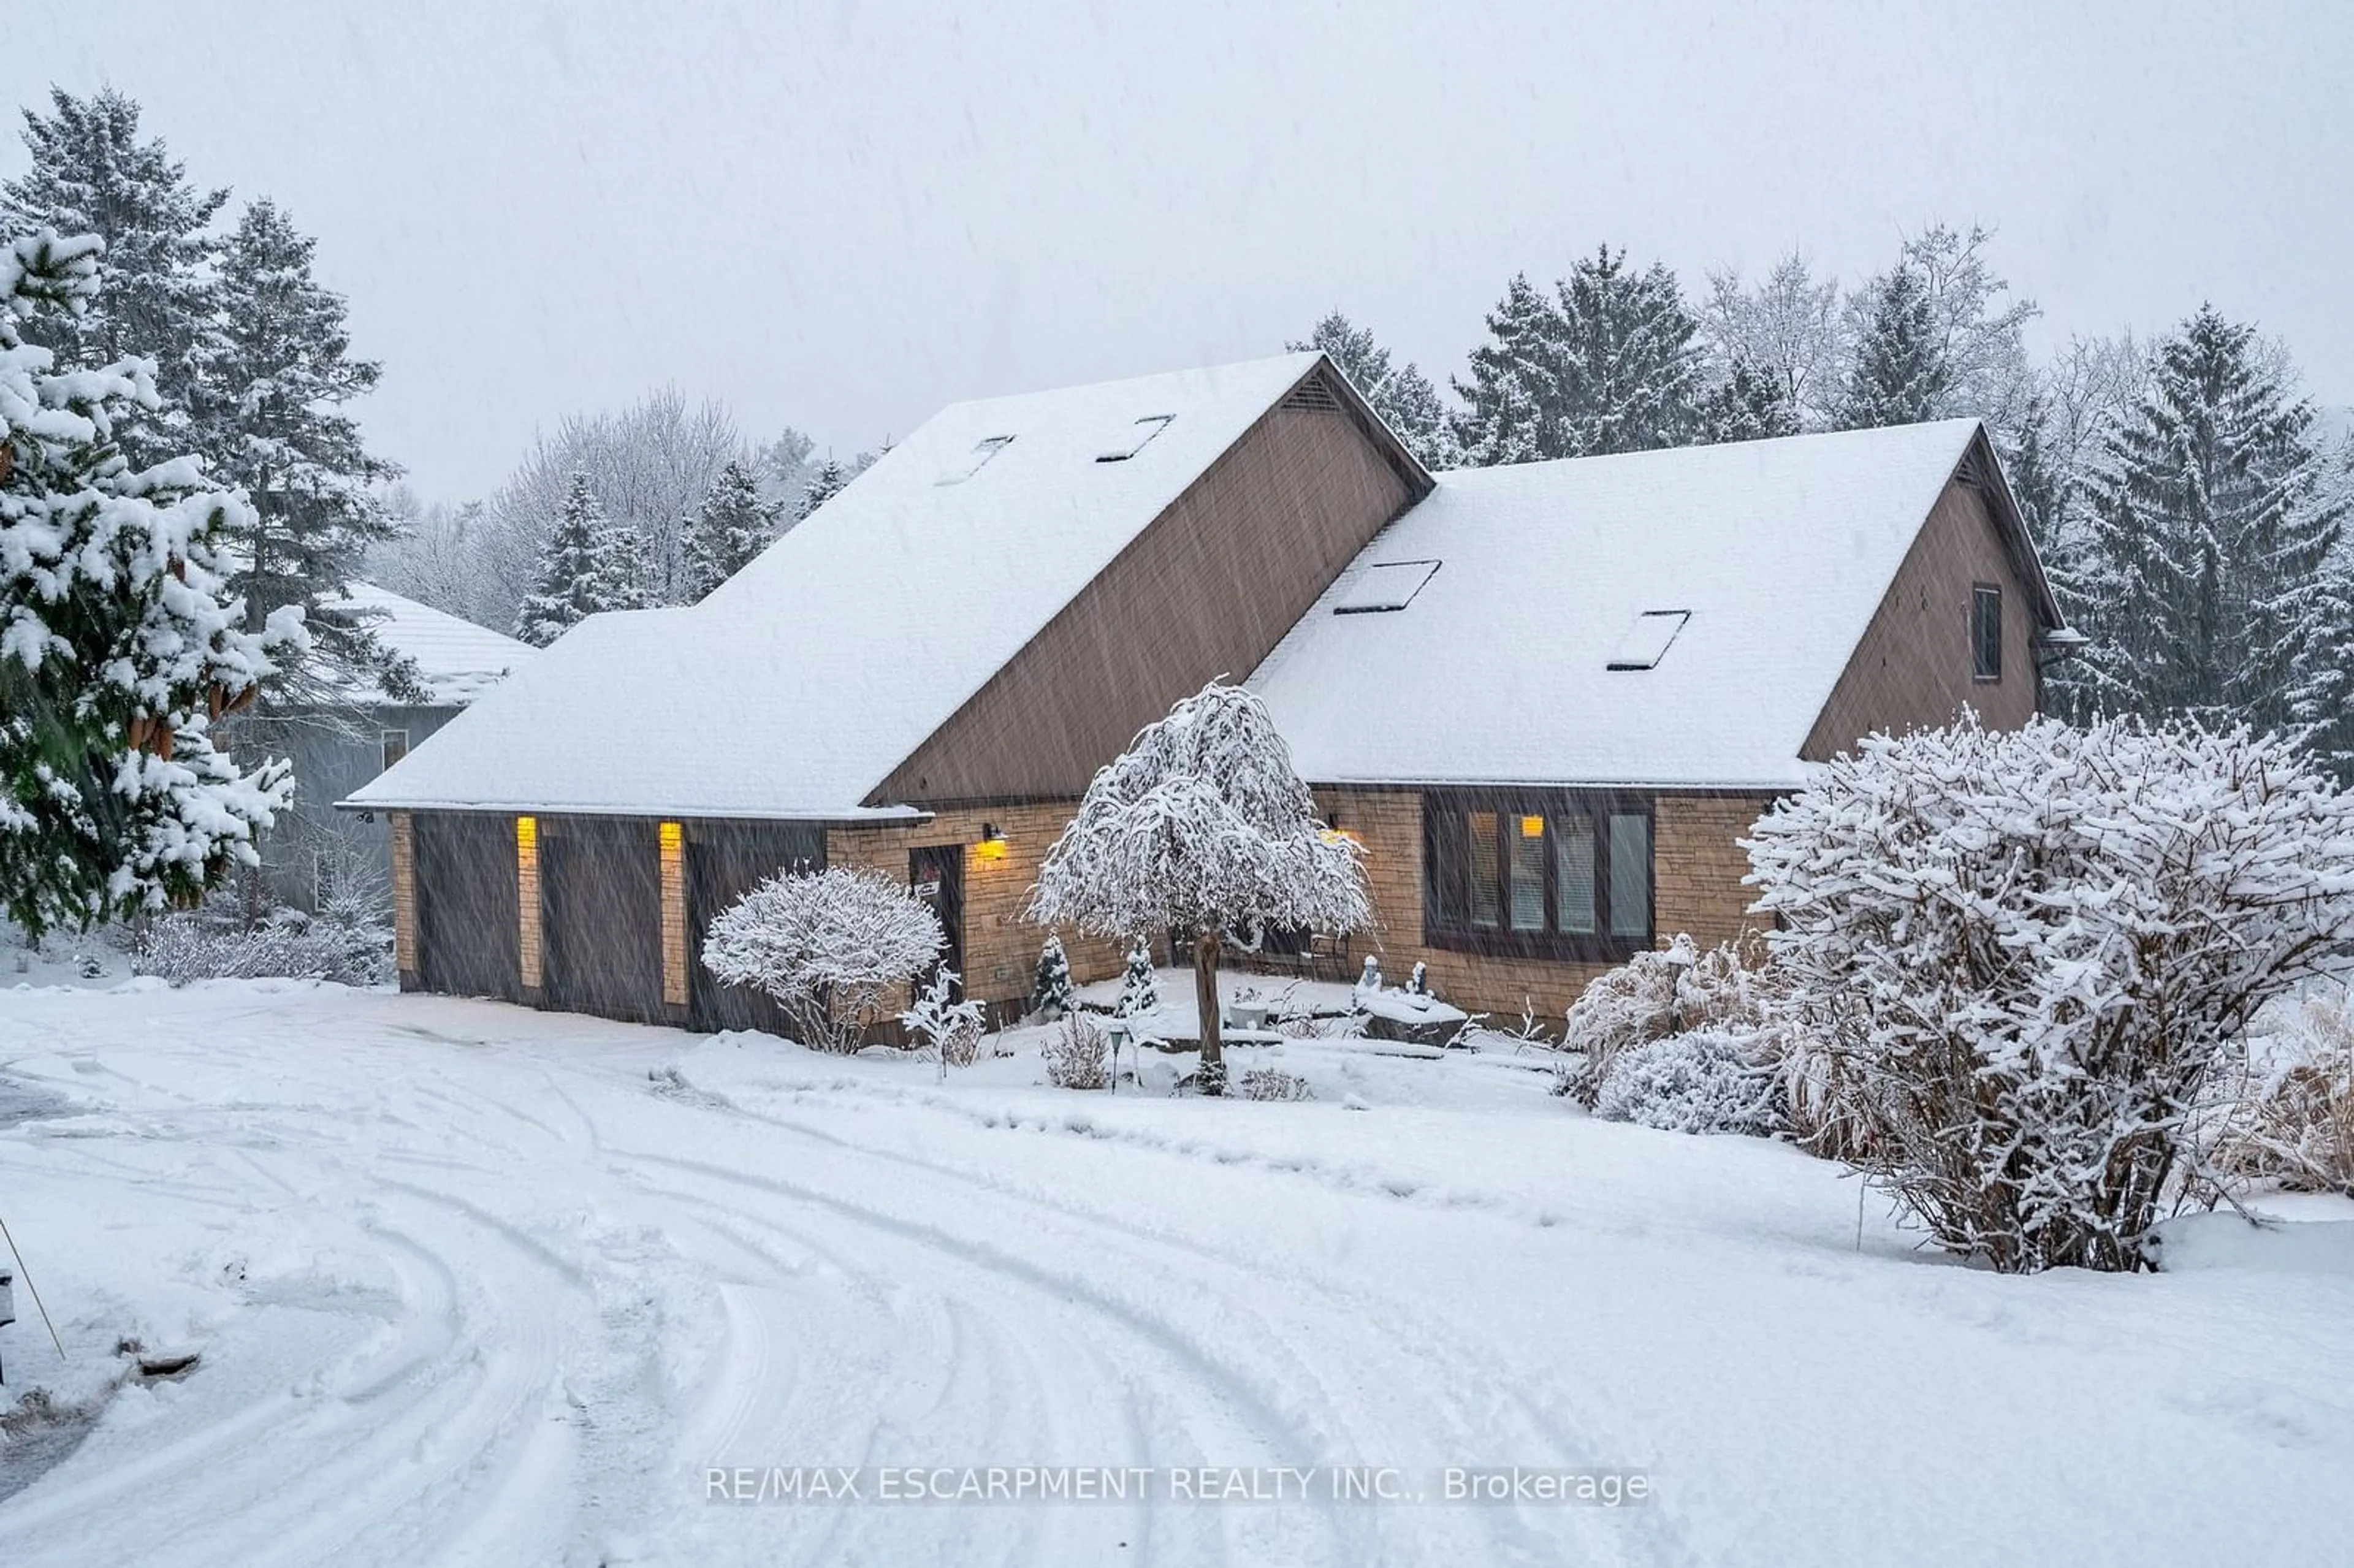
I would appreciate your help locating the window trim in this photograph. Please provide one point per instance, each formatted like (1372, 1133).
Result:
(1444, 812)
(1981, 594)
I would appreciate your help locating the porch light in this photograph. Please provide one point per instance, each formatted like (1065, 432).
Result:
(528, 840)
(1531, 827)
(992, 842)
(1332, 832)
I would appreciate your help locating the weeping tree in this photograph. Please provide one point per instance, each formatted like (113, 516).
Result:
(1202, 826)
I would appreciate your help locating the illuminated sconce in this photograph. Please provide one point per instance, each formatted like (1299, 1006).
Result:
(992, 843)
(672, 837)
(1531, 827)
(1332, 832)
(527, 841)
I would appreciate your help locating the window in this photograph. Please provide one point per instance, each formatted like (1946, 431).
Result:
(1135, 439)
(395, 745)
(1985, 631)
(1537, 874)
(972, 462)
(1391, 584)
(1646, 643)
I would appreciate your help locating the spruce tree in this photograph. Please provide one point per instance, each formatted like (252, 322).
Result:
(1899, 375)
(589, 566)
(1402, 394)
(274, 375)
(1511, 403)
(2217, 587)
(120, 645)
(1748, 404)
(1139, 988)
(825, 482)
(92, 175)
(1050, 993)
(734, 524)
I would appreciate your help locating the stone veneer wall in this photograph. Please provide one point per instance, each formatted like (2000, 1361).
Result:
(1697, 867)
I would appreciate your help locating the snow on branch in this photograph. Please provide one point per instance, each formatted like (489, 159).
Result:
(828, 945)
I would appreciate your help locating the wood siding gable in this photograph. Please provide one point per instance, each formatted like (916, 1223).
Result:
(1206, 590)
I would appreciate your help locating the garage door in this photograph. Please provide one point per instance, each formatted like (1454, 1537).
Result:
(466, 937)
(600, 888)
(723, 862)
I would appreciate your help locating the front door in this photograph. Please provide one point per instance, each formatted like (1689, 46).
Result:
(936, 875)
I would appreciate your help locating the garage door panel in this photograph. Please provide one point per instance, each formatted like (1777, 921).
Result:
(467, 929)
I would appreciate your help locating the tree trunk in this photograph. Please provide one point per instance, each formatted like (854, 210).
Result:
(1205, 1000)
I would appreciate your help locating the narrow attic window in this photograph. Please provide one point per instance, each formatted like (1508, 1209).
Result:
(1391, 584)
(1136, 437)
(973, 461)
(1646, 643)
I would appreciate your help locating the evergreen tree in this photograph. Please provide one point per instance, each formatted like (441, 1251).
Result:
(1050, 994)
(274, 375)
(734, 524)
(1609, 363)
(1139, 986)
(92, 175)
(1748, 404)
(2216, 585)
(120, 646)
(1403, 396)
(590, 566)
(1899, 375)
(826, 481)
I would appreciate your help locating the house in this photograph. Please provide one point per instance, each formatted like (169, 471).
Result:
(337, 746)
(1547, 699)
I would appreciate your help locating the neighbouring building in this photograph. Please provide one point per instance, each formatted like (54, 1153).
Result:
(337, 746)
(1546, 699)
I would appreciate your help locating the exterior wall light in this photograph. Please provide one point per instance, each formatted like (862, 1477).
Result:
(992, 842)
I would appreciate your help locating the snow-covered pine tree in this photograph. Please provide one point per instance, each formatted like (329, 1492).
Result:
(1748, 404)
(590, 566)
(1898, 375)
(825, 482)
(118, 644)
(2217, 587)
(1139, 988)
(274, 372)
(1402, 394)
(1632, 375)
(90, 174)
(1511, 403)
(1050, 993)
(1202, 826)
(734, 524)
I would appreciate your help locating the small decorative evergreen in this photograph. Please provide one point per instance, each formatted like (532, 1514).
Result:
(1050, 997)
(1418, 982)
(1139, 990)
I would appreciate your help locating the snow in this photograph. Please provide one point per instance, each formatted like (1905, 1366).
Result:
(472, 1283)
(1780, 550)
(457, 660)
(800, 683)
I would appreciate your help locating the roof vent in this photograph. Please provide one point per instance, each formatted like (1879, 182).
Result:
(1135, 439)
(1646, 643)
(972, 462)
(1391, 584)
(1314, 396)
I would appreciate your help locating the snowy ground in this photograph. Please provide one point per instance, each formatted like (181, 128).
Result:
(472, 1284)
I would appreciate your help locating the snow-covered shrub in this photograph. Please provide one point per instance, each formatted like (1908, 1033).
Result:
(213, 943)
(1710, 1080)
(938, 1020)
(1050, 993)
(1418, 982)
(1369, 977)
(2289, 1118)
(1139, 988)
(1271, 1083)
(1202, 826)
(829, 946)
(2026, 953)
(1655, 994)
(1077, 1057)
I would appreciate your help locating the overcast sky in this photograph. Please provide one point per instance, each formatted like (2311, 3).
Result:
(841, 216)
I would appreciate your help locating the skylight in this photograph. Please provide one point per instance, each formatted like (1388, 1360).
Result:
(1391, 584)
(1135, 439)
(1646, 643)
(971, 462)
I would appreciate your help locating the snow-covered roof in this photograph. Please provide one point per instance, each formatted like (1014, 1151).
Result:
(459, 660)
(800, 683)
(1773, 554)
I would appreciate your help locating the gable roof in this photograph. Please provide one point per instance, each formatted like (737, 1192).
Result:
(800, 683)
(1780, 551)
(457, 660)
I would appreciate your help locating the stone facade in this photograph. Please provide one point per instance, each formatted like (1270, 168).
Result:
(1000, 947)
(1697, 867)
